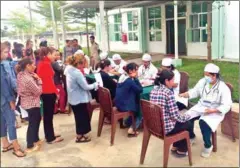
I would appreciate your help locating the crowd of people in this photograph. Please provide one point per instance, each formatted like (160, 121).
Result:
(41, 76)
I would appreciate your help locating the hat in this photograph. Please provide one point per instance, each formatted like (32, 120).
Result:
(116, 57)
(103, 55)
(79, 52)
(167, 62)
(211, 68)
(146, 57)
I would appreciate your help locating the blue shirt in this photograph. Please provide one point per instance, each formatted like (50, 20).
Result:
(77, 86)
(128, 95)
(8, 83)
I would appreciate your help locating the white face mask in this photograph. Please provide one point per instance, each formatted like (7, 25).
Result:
(208, 79)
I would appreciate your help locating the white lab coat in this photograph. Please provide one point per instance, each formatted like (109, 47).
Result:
(218, 97)
(147, 73)
(119, 68)
(177, 78)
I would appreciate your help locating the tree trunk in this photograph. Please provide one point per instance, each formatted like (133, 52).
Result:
(87, 32)
(209, 32)
(56, 27)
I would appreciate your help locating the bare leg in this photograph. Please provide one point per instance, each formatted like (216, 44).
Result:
(5, 142)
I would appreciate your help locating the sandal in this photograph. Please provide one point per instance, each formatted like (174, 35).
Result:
(58, 139)
(16, 153)
(57, 136)
(83, 139)
(8, 148)
(131, 135)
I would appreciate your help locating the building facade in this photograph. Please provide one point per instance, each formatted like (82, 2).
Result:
(151, 29)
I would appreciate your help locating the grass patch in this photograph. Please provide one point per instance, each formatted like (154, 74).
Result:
(229, 72)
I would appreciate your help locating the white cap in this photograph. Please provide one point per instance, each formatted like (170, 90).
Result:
(116, 57)
(211, 68)
(103, 55)
(79, 52)
(146, 57)
(167, 62)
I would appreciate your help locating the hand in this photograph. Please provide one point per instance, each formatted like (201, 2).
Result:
(185, 95)
(12, 105)
(35, 76)
(209, 111)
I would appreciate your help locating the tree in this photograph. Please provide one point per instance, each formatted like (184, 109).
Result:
(77, 15)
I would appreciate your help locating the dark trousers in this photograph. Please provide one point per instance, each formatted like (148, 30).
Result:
(34, 117)
(182, 144)
(206, 133)
(82, 119)
(181, 106)
(48, 111)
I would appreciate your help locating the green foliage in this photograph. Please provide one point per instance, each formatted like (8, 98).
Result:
(229, 72)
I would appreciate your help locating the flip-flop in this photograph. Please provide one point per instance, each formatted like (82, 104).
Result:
(8, 148)
(56, 141)
(174, 149)
(133, 135)
(83, 139)
(19, 150)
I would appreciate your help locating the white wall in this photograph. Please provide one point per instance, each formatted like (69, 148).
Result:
(197, 49)
(231, 30)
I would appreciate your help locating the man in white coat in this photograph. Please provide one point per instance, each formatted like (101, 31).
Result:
(147, 72)
(118, 65)
(215, 101)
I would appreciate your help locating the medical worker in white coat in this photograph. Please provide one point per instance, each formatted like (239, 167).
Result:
(147, 72)
(215, 101)
(119, 63)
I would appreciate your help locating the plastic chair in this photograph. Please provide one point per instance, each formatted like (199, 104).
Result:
(228, 118)
(184, 82)
(107, 110)
(154, 125)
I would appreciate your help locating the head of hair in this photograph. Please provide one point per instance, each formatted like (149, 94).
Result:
(162, 76)
(75, 59)
(92, 37)
(130, 67)
(75, 40)
(67, 41)
(44, 51)
(217, 75)
(22, 64)
(8, 43)
(43, 44)
(15, 44)
(3, 47)
(104, 63)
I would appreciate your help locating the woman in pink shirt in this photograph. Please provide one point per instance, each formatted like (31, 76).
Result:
(30, 89)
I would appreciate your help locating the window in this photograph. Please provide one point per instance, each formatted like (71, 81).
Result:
(117, 27)
(132, 26)
(198, 23)
(169, 11)
(154, 24)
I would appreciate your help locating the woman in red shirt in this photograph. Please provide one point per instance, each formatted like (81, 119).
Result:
(49, 91)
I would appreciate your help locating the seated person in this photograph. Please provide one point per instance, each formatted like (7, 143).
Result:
(127, 93)
(108, 82)
(147, 72)
(174, 122)
(215, 101)
(103, 56)
(118, 65)
(167, 63)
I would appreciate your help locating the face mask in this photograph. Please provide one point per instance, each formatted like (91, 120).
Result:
(208, 79)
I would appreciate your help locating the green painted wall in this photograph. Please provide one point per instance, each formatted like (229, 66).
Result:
(218, 30)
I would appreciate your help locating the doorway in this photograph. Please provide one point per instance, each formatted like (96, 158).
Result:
(181, 37)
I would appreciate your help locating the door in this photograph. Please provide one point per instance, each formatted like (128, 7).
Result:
(181, 37)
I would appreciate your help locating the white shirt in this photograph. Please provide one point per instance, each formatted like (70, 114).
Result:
(217, 97)
(119, 68)
(147, 73)
(177, 78)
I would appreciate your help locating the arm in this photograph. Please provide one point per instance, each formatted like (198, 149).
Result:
(83, 83)
(136, 86)
(177, 78)
(173, 110)
(195, 92)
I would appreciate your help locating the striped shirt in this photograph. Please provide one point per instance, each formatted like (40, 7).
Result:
(164, 97)
(29, 90)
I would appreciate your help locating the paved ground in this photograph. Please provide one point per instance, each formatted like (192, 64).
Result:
(125, 152)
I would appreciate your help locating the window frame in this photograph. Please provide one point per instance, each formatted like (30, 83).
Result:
(154, 19)
(117, 23)
(132, 31)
